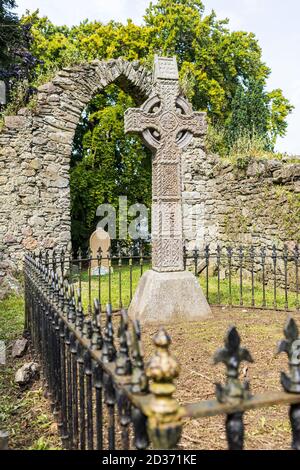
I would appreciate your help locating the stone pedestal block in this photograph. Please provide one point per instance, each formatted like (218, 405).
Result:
(168, 297)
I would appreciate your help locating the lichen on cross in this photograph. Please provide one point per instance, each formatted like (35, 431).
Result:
(167, 124)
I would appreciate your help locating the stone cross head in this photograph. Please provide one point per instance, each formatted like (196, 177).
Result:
(166, 117)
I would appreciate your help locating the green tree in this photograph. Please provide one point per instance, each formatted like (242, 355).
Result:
(214, 62)
(17, 63)
(253, 114)
(9, 31)
(280, 109)
(108, 165)
(222, 73)
(250, 114)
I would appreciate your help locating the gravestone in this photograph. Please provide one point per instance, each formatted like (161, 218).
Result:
(100, 240)
(167, 124)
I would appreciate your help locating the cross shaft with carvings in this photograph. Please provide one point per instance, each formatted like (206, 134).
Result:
(167, 125)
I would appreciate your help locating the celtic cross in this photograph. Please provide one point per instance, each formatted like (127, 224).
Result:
(167, 125)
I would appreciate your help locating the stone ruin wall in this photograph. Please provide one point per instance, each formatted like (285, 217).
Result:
(35, 150)
(255, 202)
(252, 202)
(228, 204)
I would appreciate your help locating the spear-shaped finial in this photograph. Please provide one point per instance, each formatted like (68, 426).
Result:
(87, 329)
(291, 346)
(232, 355)
(139, 379)
(97, 340)
(123, 362)
(109, 350)
(72, 305)
(79, 312)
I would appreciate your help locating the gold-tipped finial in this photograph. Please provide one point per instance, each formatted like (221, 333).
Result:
(162, 367)
(164, 422)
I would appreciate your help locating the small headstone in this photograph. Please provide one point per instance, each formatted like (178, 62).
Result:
(27, 373)
(19, 348)
(100, 239)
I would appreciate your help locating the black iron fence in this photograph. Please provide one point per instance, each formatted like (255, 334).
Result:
(103, 395)
(265, 278)
(258, 277)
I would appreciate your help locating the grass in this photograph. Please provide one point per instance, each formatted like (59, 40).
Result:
(11, 318)
(246, 298)
(25, 414)
(109, 286)
(109, 290)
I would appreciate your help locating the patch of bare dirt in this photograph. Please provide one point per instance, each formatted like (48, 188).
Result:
(194, 345)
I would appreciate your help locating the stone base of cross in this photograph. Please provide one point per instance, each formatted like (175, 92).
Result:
(167, 124)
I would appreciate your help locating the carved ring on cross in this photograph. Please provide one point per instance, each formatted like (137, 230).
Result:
(152, 136)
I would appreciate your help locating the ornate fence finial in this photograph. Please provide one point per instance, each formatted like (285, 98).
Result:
(291, 346)
(164, 422)
(79, 312)
(66, 296)
(232, 355)
(97, 340)
(72, 305)
(139, 379)
(87, 329)
(196, 257)
(109, 350)
(61, 295)
(291, 383)
(123, 363)
(234, 391)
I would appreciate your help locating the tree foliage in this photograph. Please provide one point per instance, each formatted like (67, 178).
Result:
(214, 61)
(253, 113)
(9, 31)
(17, 63)
(222, 73)
(108, 164)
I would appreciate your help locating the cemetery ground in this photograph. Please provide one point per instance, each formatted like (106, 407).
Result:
(26, 413)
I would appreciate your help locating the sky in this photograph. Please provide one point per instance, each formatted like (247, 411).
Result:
(275, 23)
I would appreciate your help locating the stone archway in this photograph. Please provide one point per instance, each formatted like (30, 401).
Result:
(36, 148)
